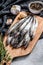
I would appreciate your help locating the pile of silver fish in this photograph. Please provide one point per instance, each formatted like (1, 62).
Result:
(22, 32)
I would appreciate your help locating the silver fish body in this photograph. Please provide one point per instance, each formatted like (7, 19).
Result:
(26, 28)
(25, 25)
(26, 22)
(9, 39)
(26, 38)
(16, 25)
(14, 41)
(21, 25)
(34, 27)
(24, 41)
(20, 44)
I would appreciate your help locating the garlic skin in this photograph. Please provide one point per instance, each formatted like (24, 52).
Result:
(15, 9)
(9, 21)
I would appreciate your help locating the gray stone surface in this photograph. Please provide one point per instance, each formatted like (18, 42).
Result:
(35, 58)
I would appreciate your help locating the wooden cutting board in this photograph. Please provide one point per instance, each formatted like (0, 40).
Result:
(21, 52)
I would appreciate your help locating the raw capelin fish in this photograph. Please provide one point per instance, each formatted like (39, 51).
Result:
(26, 36)
(16, 25)
(26, 31)
(9, 39)
(34, 27)
(22, 27)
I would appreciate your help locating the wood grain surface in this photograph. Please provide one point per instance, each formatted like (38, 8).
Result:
(20, 51)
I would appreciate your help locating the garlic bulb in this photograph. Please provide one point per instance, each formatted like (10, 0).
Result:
(9, 21)
(15, 9)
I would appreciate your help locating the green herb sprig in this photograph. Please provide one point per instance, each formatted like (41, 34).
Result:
(3, 53)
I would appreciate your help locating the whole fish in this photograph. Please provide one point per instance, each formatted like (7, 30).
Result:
(34, 27)
(26, 23)
(26, 30)
(25, 39)
(9, 40)
(18, 24)
(23, 26)
(27, 36)
(27, 27)
(16, 44)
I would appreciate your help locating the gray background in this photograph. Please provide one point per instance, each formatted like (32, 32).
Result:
(35, 58)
